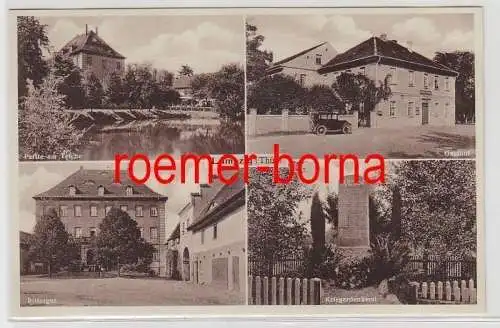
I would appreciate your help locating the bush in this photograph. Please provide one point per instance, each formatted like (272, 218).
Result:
(328, 260)
(353, 272)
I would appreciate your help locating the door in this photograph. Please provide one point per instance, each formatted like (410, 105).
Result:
(425, 113)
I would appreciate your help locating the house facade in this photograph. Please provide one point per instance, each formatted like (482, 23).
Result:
(92, 54)
(208, 245)
(85, 197)
(422, 91)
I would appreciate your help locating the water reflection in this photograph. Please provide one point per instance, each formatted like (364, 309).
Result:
(153, 137)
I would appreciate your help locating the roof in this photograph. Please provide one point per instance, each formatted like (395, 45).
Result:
(176, 233)
(182, 82)
(287, 59)
(90, 43)
(389, 52)
(225, 200)
(87, 183)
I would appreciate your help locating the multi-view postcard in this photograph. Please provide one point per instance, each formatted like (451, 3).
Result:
(247, 161)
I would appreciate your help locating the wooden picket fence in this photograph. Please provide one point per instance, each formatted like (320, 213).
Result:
(445, 293)
(283, 291)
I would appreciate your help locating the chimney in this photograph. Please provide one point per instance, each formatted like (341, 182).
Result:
(96, 31)
(383, 37)
(86, 29)
(409, 45)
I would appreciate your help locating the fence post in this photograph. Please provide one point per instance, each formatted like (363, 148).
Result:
(281, 291)
(463, 291)
(265, 282)
(317, 291)
(424, 290)
(456, 291)
(432, 291)
(284, 120)
(440, 290)
(257, 290)
(289, 291)
(414, 292)
(252, 122)
(304, 291)
(472, 291)
(273, 290)
(250, 300)
(297, 291)
(448, 290)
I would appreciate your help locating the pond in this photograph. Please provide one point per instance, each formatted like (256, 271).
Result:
(156, 136)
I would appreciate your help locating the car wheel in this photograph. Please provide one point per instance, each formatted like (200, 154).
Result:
(321, 130)
(346, 129)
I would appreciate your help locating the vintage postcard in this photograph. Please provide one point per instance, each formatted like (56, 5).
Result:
(243, 162)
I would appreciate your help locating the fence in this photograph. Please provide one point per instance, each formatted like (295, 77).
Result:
(283, 291)
(276, 267)
(449, 292)
(430, 267)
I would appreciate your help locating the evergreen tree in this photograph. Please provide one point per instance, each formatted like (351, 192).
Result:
(94, 91)
(317, 223)
(115, 92)
(71, 86)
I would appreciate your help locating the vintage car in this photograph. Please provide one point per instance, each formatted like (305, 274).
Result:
(324, 122)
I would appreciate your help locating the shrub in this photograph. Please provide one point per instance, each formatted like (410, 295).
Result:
(323, 264)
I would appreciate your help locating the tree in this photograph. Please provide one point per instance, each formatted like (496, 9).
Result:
(228, 90)
(317, 223)
(321, 98)
(257, 60)
(71, 86)
(186, 70)
(361, 92)
(119, 241)
(49, 243)
(31, 40)
(274, 227)
(115, 92)
(94, 91)
(274, 93)
(44, 125)
(463, 63)
(202, 85)
(438, 205)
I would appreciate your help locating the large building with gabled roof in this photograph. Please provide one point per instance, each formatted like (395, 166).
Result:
(85, 197)
(207, 246)
(93, 55)
(423, 91)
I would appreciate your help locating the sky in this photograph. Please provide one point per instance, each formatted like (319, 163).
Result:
(37, 177)
(286, 35)
(203, 42)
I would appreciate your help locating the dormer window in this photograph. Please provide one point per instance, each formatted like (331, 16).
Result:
(130, 191)
(100, 191)
(318, 59)
(72, 190)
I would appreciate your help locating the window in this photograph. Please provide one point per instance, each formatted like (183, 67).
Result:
(130, 191)
(302, 79)
(124, 208)
(153, 211)
(318, 59)
(447, 84)
(63, 210)
(392, 108)
(72, 190)
(411, 79)
(78, 210)
(88, 60)
(100, 191)
(118, 65)
(215, 231)
(393, 76)
(362, 70)
(139, 211)
(156, 256)
(107, 209)
(153, 232)
(141, 229)
(78, 232)
(417, 110)
(436, 82)
(93, 210)
(202, 236)
(410, 108)
(92, 232)
(426, 81)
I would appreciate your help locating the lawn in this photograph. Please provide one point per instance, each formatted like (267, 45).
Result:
(409, 142)
(121, 291)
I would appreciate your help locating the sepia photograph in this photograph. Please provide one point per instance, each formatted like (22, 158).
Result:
(402, 85)
(409, 240)
(93, 86)
(85, 240)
